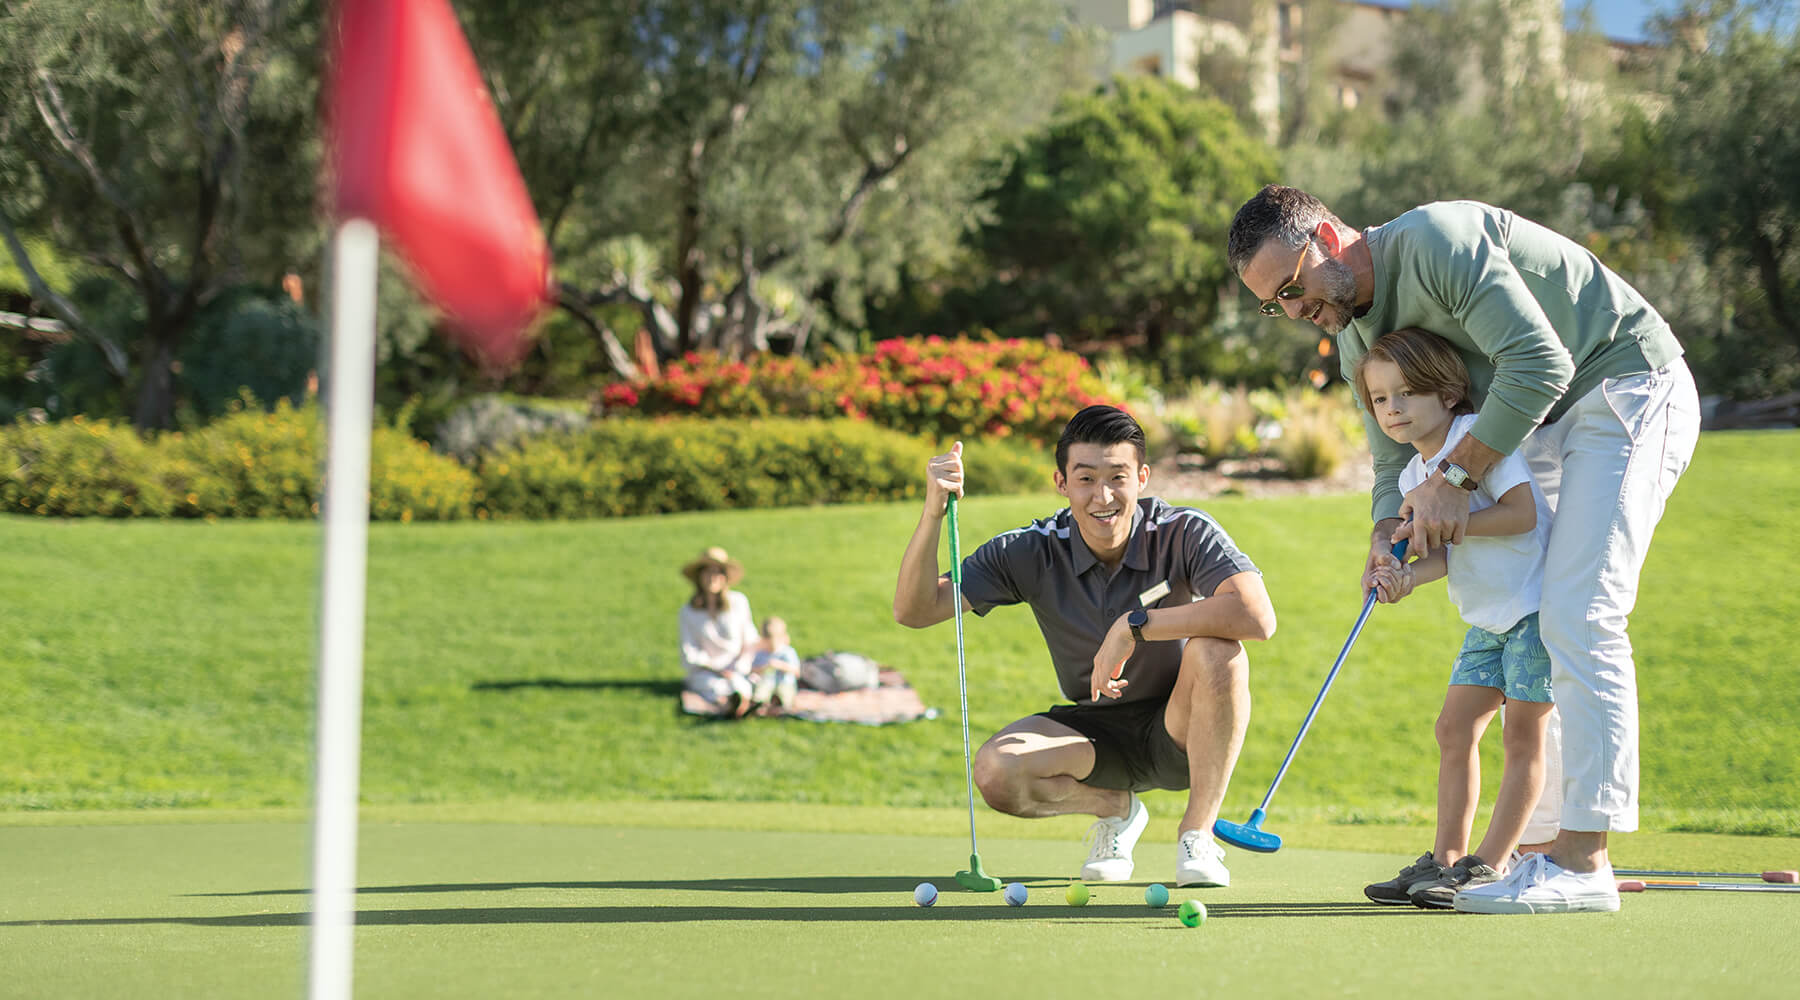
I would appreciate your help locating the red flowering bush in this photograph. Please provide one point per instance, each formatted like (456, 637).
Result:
(707, 385)
(937, 388)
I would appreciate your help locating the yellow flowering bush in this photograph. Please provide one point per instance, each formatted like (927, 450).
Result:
(82, 468)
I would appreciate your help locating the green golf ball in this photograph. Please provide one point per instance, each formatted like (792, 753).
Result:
(1192, 913)
(1077, 895)
(1156, 894)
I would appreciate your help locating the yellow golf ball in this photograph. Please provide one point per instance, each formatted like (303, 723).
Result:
(1077, 895)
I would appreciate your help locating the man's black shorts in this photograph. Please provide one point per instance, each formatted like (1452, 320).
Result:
(1132, 748)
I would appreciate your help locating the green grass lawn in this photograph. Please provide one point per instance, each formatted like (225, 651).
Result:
(655, 900)
(539, 820)
(170, 664)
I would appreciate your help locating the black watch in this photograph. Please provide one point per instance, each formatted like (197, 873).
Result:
(1137, 620)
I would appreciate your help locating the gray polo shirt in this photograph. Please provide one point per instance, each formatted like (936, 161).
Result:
(1176, 555)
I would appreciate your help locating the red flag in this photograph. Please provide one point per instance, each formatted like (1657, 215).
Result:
(417, 148)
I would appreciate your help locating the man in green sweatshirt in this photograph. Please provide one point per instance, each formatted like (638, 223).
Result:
(1577, 372)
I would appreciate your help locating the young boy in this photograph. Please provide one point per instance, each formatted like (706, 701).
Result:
(775, 669)
(1415, 386)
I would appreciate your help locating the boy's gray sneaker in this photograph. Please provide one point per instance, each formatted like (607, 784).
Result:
(1440, 893)
(1394, 890)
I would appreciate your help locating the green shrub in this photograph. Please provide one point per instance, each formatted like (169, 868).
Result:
(253, 464)
(410, 482)
(1319, 433)
(249, 338)
(82, 468)
(998, 468)
(256, 464)
(1218, 423)
(627, 467)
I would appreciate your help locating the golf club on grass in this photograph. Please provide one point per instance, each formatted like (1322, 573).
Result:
(1250, 835)
(1634, 885)
(1778, 877)
(975, 880)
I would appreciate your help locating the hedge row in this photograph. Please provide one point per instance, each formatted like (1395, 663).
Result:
(626, 467)
(254, 464)
(248, 464)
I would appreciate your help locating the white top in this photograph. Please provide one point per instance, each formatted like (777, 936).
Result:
(1494, 580)
(719, 642)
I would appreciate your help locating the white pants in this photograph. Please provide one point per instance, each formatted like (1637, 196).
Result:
(1546, 816)
(1607, 468)
(718, 687)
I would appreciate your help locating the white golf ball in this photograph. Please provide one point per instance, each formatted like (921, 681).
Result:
(925, 894)
(1015, 894)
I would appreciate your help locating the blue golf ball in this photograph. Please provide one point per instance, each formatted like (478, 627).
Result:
(925, 894)
(1156, 894)
(1015, 894)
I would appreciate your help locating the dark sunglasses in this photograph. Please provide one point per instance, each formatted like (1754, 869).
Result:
(1289, 291)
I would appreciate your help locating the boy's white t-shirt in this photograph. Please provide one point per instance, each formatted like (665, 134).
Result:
(1494, 580)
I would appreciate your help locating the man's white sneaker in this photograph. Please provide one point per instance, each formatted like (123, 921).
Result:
(1114, 837)
(1538, 885)
(1200, 861)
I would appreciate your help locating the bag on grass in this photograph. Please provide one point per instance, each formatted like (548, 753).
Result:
(832, 672)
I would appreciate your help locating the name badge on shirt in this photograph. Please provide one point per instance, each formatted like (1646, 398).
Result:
(1154, 594)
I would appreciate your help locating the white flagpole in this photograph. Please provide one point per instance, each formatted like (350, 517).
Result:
(349, 409)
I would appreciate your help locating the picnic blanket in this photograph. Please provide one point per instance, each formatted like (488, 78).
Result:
(891, 699)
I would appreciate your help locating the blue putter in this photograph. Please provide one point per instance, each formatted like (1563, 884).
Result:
(1250, 835)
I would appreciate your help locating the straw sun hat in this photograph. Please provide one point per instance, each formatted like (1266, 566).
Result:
(715, 556)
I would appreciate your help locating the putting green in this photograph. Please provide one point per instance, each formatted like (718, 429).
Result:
(525, 909)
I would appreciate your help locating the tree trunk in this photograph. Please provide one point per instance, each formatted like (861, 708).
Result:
(688, 256)
(616, 355)
(155, 405)
(1768, 265)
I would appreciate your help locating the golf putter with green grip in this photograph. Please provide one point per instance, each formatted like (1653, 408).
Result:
(974, 879)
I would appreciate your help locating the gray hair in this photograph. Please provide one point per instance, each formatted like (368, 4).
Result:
(1279, 213)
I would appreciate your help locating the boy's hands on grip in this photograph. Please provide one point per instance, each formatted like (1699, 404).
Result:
(1392, 579)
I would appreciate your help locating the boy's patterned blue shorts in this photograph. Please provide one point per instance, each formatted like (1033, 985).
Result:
(1516, 662)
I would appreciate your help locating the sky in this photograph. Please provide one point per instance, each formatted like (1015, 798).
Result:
(1622, 19)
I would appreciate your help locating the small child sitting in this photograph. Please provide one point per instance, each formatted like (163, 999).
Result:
(775, 669)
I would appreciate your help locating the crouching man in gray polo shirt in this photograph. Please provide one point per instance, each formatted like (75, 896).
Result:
(1144, 607)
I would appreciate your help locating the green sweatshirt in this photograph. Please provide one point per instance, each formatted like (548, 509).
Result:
(1537, 318)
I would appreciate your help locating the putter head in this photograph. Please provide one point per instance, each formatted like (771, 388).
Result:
(976, 880)
(1249, 835)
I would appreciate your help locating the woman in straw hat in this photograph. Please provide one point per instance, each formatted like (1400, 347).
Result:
(718, 633)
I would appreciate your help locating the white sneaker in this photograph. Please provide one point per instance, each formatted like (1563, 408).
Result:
(1538, 885)
(1114, 837)
(1200, 861)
